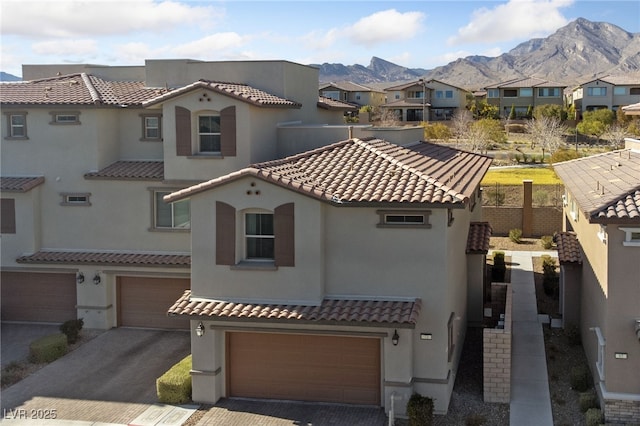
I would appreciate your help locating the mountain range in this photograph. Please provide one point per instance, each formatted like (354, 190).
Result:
(577, 52)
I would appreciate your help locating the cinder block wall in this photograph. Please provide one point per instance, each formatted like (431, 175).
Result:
(496, 344)
(619, 411)
(546, 220)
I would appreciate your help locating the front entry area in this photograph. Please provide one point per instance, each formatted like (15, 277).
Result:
(303, 367)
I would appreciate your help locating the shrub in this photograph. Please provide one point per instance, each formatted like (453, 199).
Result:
(475, 420)
(515, 128)
(580, 378)
(564, 155)
(174, 386)
(546, 241)
(594, 417)
(588, 400)
(515, 235)
(499, 268)
(48, 348)
(420, 410)
(71, 329)
(550, 280)
(495, 197)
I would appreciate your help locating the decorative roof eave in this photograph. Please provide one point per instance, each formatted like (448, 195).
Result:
(130, 170)
(332, 104)
(479, 238)
(19, 183)
(568, 248)
(104, 258)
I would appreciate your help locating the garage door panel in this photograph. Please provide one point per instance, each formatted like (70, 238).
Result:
(304, 367)
(144, 301)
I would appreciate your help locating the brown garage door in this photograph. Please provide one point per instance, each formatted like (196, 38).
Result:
(304, 367)
(143, 302)
(42, 297)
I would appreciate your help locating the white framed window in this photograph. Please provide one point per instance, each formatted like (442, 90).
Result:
(493, 93)
(601, 352)
(65, 117)
(526, 92)
(632, 237)
(259, 236)
(16, 125)
(596, 91)
(602, 234)
(415, 94)
(209, 134)
(448, 94)
(75, 199)
(548, 92)
(573, 209)
(404, 218)
(619, 90)
(151, 127)
(170, 215)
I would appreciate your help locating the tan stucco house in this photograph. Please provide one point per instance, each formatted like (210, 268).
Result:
(610, 92)
(599, 252)
(521, 94)
(354, 93)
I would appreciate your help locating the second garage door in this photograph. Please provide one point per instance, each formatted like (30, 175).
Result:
(304, 367)
(143, 302)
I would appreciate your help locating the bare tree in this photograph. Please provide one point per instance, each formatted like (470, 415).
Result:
(546, 132)
(460, 122)
(477, 138)
(615, 134)
(389, 117)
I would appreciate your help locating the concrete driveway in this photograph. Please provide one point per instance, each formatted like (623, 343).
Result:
(118, 366)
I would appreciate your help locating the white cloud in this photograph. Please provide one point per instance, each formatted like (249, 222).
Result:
(385, 26)
(65, 47)
(516, 19)
(72, 18)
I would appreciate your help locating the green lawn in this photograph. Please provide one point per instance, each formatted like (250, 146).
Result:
(515, 176)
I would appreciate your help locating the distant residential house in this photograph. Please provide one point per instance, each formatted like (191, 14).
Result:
(599, 253)
(522, 94)
(353, 93)
(425, 100)
(343, 274)
(610, 92)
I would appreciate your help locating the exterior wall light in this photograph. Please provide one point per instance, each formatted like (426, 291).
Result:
(395, 338)
(200, 329)
(79, 277)
(97, 279)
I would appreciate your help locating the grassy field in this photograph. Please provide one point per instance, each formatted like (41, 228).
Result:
(515, 176)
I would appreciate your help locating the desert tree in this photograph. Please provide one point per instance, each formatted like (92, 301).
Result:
(546, 132)
(460, 122)
(615, 135)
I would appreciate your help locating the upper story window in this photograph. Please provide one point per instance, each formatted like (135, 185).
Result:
(444, 94)
(404, 219)
(16, 125)
(634, 91)
(510, 93)
(151, 127)
(415, 94)
(596, 91)
(170, 215)
(526, 92)
(259, 236)
(619, 90)
(75, 199)
(206, 132)
(65, 117)
(548, 92)
(493, 93)
(209, 134)
(632, 237)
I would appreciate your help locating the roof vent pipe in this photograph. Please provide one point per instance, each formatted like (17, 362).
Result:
(350, 132)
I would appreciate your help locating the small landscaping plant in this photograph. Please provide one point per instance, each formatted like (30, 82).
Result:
(174, 386)
(588, 400)
(420, 410)
(48, 348)
(594, 417)
(71, 329)
(499, 267)
(580, 378)
(515, 235)
(547, 242)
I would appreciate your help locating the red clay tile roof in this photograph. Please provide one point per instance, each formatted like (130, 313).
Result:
(381, 312)
(130, 170)
(20, 183)
(238, 91)
(107, 258)
(76, 89)
(605, 186)
(373, 171)
(479, 237)
(568, 247)
(333, 104)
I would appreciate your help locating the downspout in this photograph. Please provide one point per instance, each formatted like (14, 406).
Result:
(392, 411)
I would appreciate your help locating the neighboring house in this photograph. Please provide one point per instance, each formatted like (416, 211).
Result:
(344, 274)
(521, 94)
(600, 257)
(610, 92)
(89, 152)
(352, 93)
(431, 99)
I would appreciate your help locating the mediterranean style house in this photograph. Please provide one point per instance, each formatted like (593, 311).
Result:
(353, 93)
(610, 92)
(425, 100)
(521, 94)
(599, 253)
(344, 274)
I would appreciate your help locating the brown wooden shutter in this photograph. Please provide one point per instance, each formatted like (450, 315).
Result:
(7, 216)
(284, 233)
(225, 234)
(183, 132)
(228, 132)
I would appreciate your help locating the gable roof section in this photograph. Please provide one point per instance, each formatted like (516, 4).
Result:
(340, 311)
(130, 170)
(347, 86)
(479, 238)
(76, 89)
(605, 186)
(363, 172)
(616, 80)
(242, 92)
(20, 183)
(332, 104)
(106, 258)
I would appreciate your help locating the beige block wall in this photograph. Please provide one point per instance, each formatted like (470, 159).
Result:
(546, 220)
(496, 344)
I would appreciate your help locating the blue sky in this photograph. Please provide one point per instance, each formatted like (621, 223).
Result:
(416, 34)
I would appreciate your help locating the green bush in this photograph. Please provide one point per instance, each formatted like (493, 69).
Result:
(588, 400)
(515, 235)
(580, 378)
(420, 410)
(550, 279)
(546, 241)
(71, 329)
(48, 348)
(594, 417)
(499, 267)
(174, 386)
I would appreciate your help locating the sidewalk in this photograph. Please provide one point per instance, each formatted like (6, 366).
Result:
(530, 399)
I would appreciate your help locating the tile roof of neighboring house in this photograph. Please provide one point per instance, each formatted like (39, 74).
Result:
(354, 311)
(239, 91)
(332, 104)
(365, 172)
(524, 83)
(130, 170)
(418, 83)
(107, 258)
(347, 86)
(568, 247)
(616, 80)
(633, 109)
(478, 238)
(404, 103)
(605, 186)
(76, 89)
(20, 183)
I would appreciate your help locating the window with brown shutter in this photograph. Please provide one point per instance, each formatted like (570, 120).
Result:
(183, 132)
(228, 131)
(225, 234)
(284, 230)
(7, 216)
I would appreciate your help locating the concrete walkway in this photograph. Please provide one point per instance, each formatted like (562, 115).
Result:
(530, 399)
